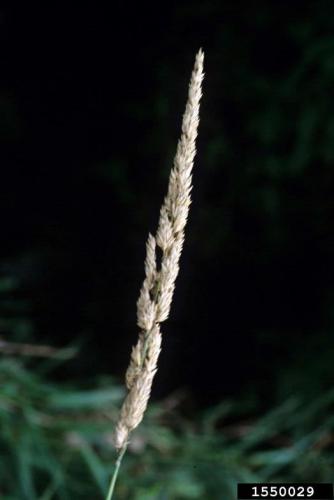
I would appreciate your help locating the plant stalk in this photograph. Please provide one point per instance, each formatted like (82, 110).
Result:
(115, 473)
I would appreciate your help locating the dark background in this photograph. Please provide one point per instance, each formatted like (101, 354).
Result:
(91, 103)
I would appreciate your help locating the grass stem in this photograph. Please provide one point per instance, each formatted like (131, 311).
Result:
(115, 473)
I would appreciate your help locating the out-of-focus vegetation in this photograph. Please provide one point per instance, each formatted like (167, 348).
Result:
(56, 443)
(56, 438)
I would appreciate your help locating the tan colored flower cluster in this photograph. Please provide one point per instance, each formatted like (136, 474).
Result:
(156, 294)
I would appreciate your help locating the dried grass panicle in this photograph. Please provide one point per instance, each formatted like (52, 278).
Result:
(156, 294)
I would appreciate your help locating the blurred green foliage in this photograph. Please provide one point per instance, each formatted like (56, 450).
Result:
(56, 438)
(56, 443)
